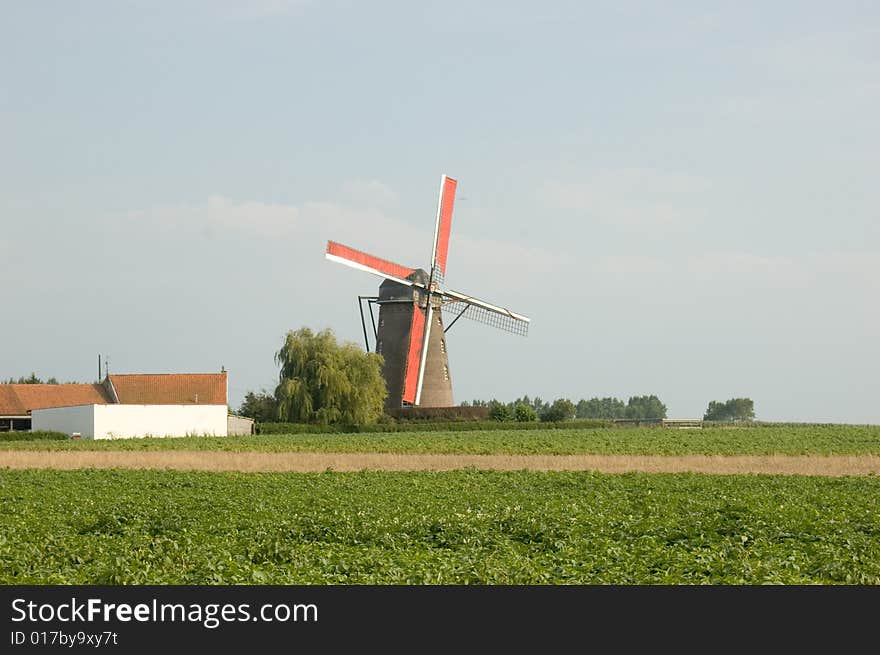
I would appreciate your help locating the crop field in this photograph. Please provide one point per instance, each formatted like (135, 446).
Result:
(456, 527)
(783, 440)
(401, 516)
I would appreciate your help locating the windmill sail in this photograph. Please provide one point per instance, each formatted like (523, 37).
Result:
(443, 227)
(426, 342)
(412, 376)
(371, 264)
(465, 306)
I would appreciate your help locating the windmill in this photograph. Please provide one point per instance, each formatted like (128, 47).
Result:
(410, 335)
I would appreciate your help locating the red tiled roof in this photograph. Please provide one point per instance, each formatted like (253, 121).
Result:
(19, 399)
(171, 388)
(10, 405)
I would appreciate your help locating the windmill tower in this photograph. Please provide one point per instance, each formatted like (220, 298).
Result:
(411, 332)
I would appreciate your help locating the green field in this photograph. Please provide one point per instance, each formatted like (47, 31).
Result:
(463, 527)
(787, 440)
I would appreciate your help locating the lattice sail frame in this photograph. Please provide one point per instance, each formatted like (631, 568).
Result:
(454, 308)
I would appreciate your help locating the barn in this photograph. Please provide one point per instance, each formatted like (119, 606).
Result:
(121, 406)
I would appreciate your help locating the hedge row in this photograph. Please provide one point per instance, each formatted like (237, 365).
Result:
(439, 413)
(27, 435)
(428, 426)
(469, 425)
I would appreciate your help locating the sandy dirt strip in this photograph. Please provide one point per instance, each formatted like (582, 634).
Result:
(304, 462)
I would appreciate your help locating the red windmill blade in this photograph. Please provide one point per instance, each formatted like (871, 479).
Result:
(412, 381)
(369, 263)
(443, 227)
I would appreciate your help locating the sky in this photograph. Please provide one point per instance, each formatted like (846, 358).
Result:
(681, 196)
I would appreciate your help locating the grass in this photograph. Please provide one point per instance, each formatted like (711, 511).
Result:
(462, 527)
(35, 435)
(765, 440)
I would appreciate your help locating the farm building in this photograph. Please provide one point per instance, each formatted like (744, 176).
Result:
(133, 405)
(17, 401)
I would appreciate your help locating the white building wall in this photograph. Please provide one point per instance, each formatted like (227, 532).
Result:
(239, 425)
(126, 421)
(80, 418)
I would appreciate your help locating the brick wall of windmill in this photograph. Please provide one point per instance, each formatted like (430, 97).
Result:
(392, 342)
(392, 337)
(437, 385)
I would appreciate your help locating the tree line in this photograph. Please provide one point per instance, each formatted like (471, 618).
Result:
(326, 382)
(31, 379)
(636, 408)
(562, 409)
(735, 409)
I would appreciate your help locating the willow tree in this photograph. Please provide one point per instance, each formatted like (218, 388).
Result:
(323, 381)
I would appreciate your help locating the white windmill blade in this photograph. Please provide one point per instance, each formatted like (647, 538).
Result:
(443, 226)
(457, 296)
(362, 261)
(484, 312)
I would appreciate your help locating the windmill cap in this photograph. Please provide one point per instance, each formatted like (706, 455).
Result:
(390, 290)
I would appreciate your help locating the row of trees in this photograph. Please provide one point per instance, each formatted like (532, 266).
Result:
(562, 409)
(636, 408)
(32, 379)
(735, 409)
(260, 406)
(323, 381)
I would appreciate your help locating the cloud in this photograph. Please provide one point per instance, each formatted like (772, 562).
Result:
(361, 211)
(371, 230)
(371, 193)
(302, 227)
(300, 231)
(853, 269)
(631, 197)
(839, 56)
(860, 262)
(772, 270)
(809, 76)
(220, 215)
(237, 10)
(630, 264)
(497, 269)
(491, 265)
